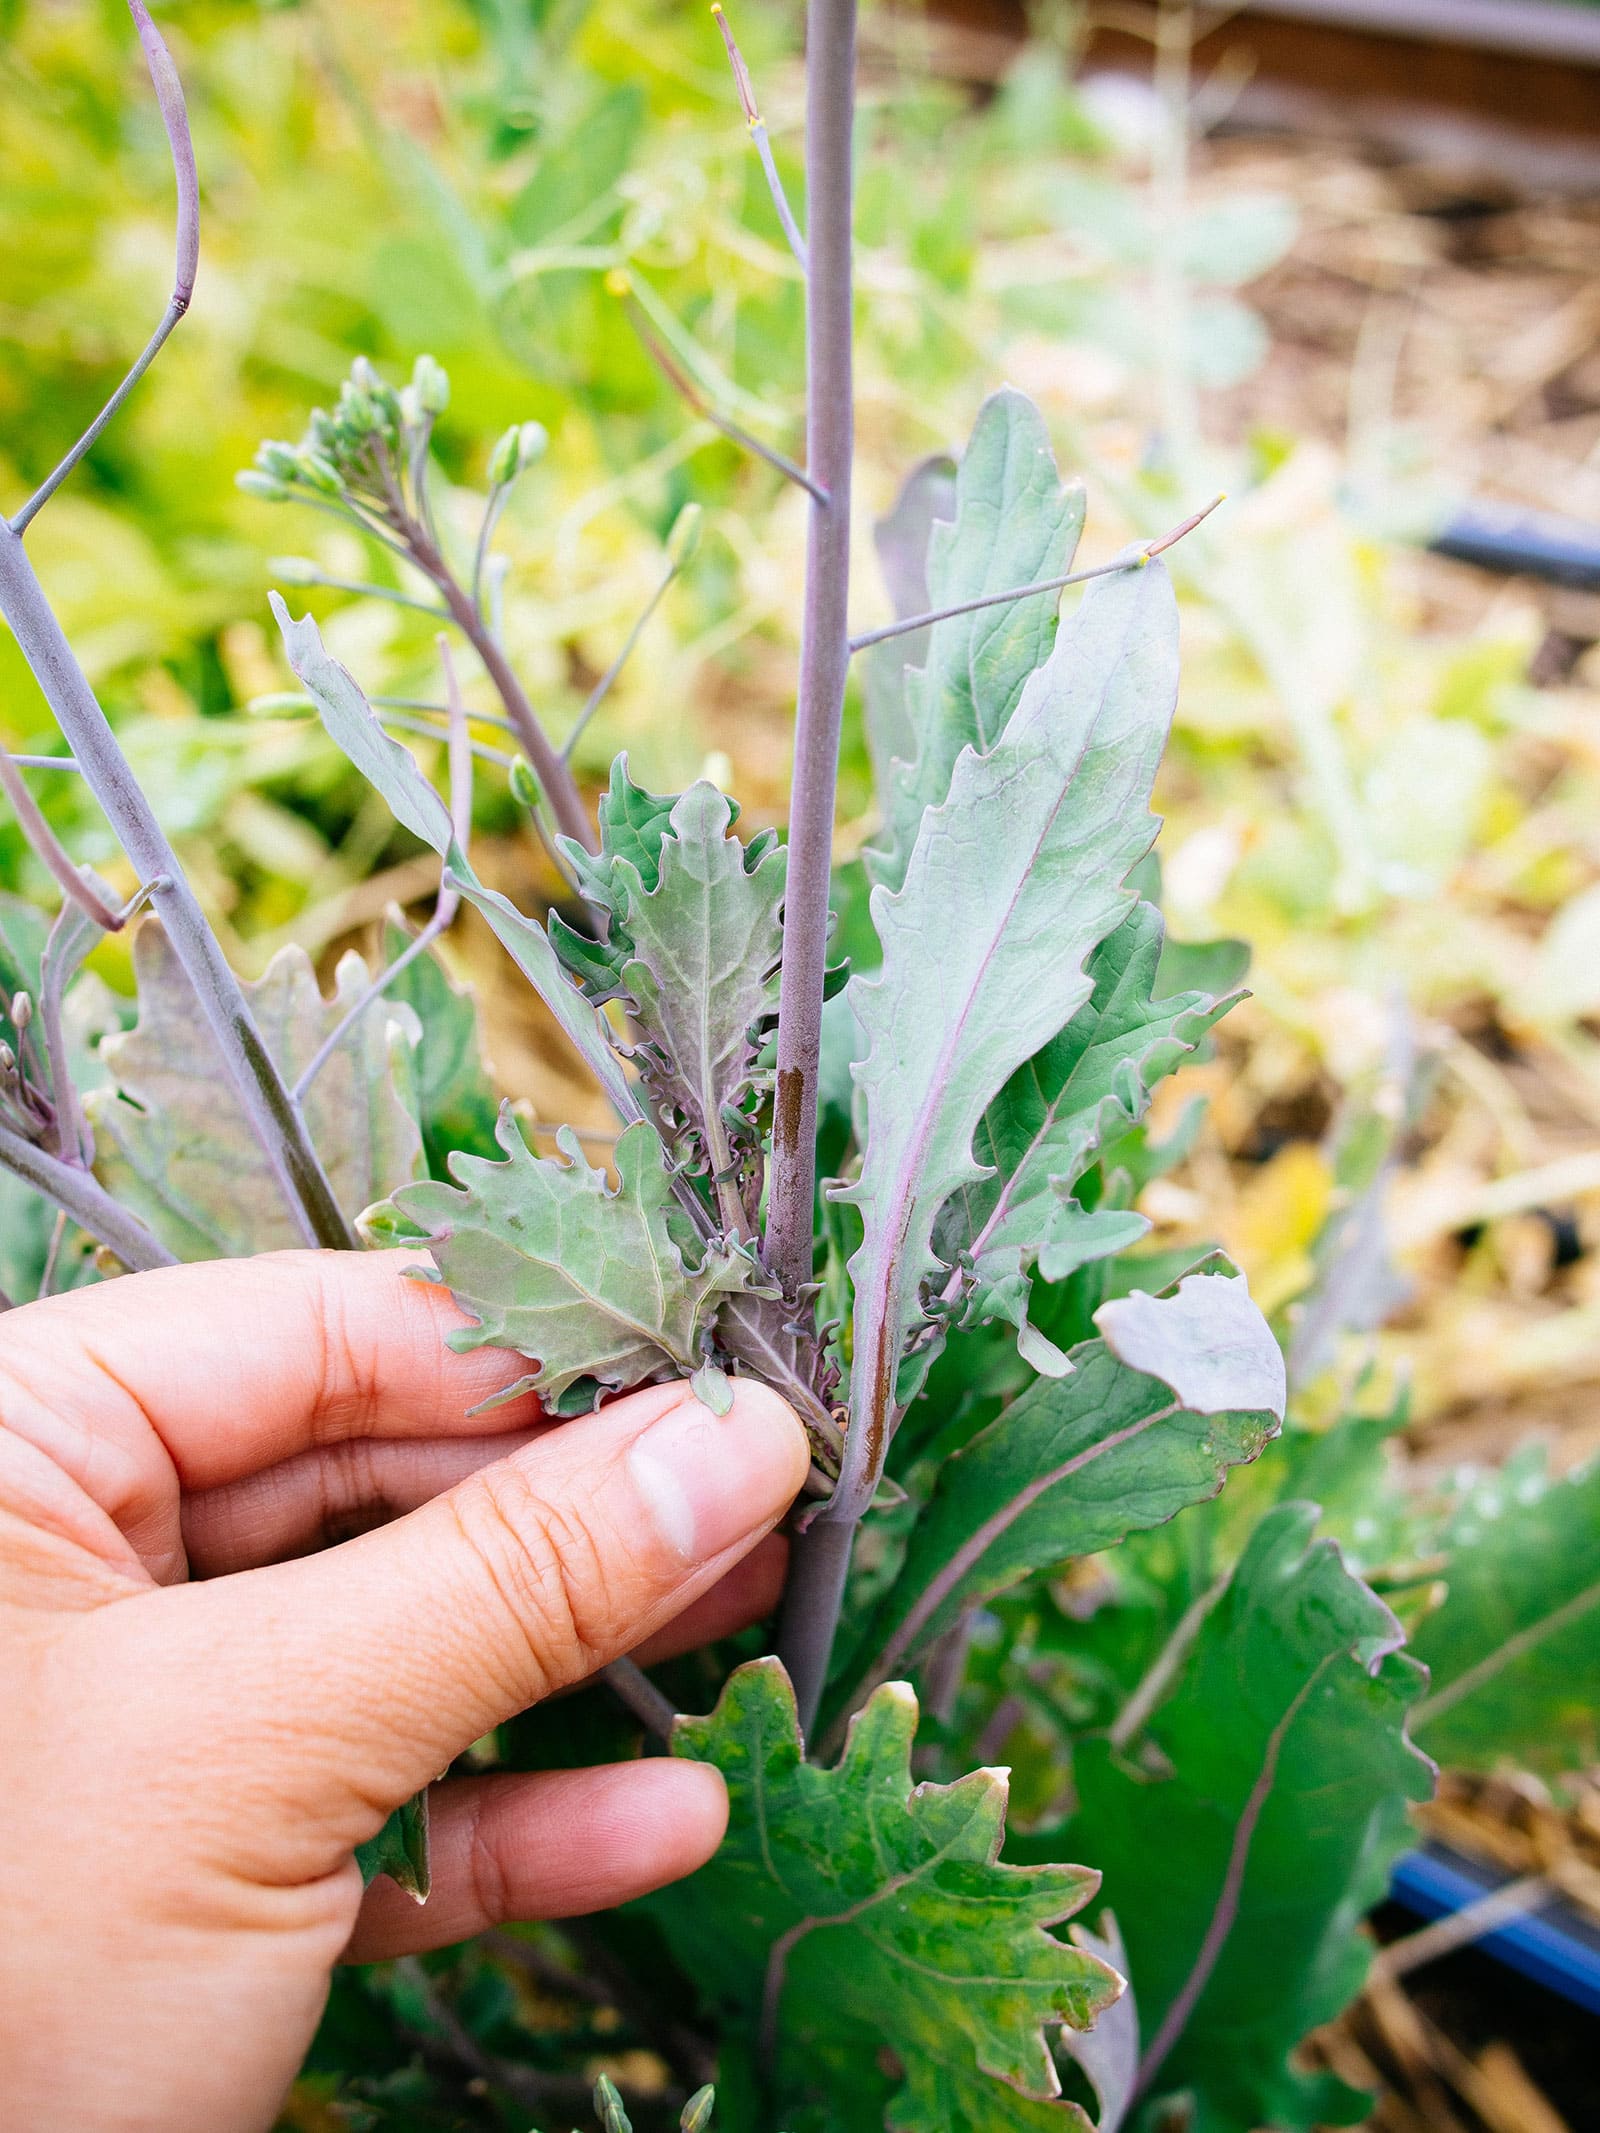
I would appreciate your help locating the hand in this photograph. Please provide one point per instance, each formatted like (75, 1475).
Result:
(198, 1731)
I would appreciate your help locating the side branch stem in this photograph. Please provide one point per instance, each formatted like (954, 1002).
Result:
(169, 95)
(79, 1194)
(908, 623)
(566, 802)
(822, 1554)
(47, 848)
(271, 1110)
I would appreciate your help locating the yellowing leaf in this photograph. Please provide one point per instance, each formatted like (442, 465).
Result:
(172, 1142)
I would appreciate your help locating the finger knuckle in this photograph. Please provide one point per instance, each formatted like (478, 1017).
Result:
(547, 1566)
(486, 1871)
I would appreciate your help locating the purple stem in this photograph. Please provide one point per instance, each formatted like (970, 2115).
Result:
(634, 1689)
(271, 1110)
(449, 899)
(822, 1554)
(758, 134)
(555, 776)
(77, 1194)
(169, 95)
(686, 389)
(47, 848)
(1159, 546)
(1227, 1906)
(603, 687)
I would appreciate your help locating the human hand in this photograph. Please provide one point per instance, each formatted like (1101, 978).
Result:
(198, 1731)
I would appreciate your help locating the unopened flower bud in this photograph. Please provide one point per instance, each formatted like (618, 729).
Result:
(503, 459)
(684, 538)
(8, 1062)
(276, 459)
(293, 570)
(362, 375)
(533, 441)
(263, 486)
(359, 412)
(520, 447)
(524, 785)
(320, 472)
(21, 1011)
(431, 383)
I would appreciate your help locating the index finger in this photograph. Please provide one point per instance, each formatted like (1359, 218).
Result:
(212, 1372)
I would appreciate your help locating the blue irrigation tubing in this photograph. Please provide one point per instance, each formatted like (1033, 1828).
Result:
(1553, 1945)
(1530, 544)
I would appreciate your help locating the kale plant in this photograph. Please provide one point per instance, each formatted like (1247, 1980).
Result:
(1000, 1380)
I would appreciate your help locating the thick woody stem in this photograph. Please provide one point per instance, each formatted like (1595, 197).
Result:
(821, 1555)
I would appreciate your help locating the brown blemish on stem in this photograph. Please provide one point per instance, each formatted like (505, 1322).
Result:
(789, 1110)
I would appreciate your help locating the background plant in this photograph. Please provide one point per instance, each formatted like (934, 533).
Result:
(993, 1351)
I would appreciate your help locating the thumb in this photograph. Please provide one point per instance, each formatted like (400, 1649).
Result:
(346, 1681)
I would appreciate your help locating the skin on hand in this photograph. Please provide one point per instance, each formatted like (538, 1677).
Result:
(207, 1706)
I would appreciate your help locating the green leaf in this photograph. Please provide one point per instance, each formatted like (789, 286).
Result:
(354, 728)
(529, 947)
(588, 1282)
(701, 967)
(455, 1096)
(23, 933)
(633, 824)
(1077, 1463)
(1013, 882)
(400, 1850)
(1244, 1834)
(1014, 523)
(778, 1345)
(851, 1913)
(1050, 1122)
(1208, 1342)
(172, 1142)
(1514, 1651)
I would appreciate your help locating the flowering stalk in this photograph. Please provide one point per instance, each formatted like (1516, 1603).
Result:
(821, 1554)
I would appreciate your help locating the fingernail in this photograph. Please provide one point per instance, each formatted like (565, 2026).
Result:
(711, 1481)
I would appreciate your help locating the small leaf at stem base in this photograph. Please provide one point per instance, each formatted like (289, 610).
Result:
(400, 1850)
